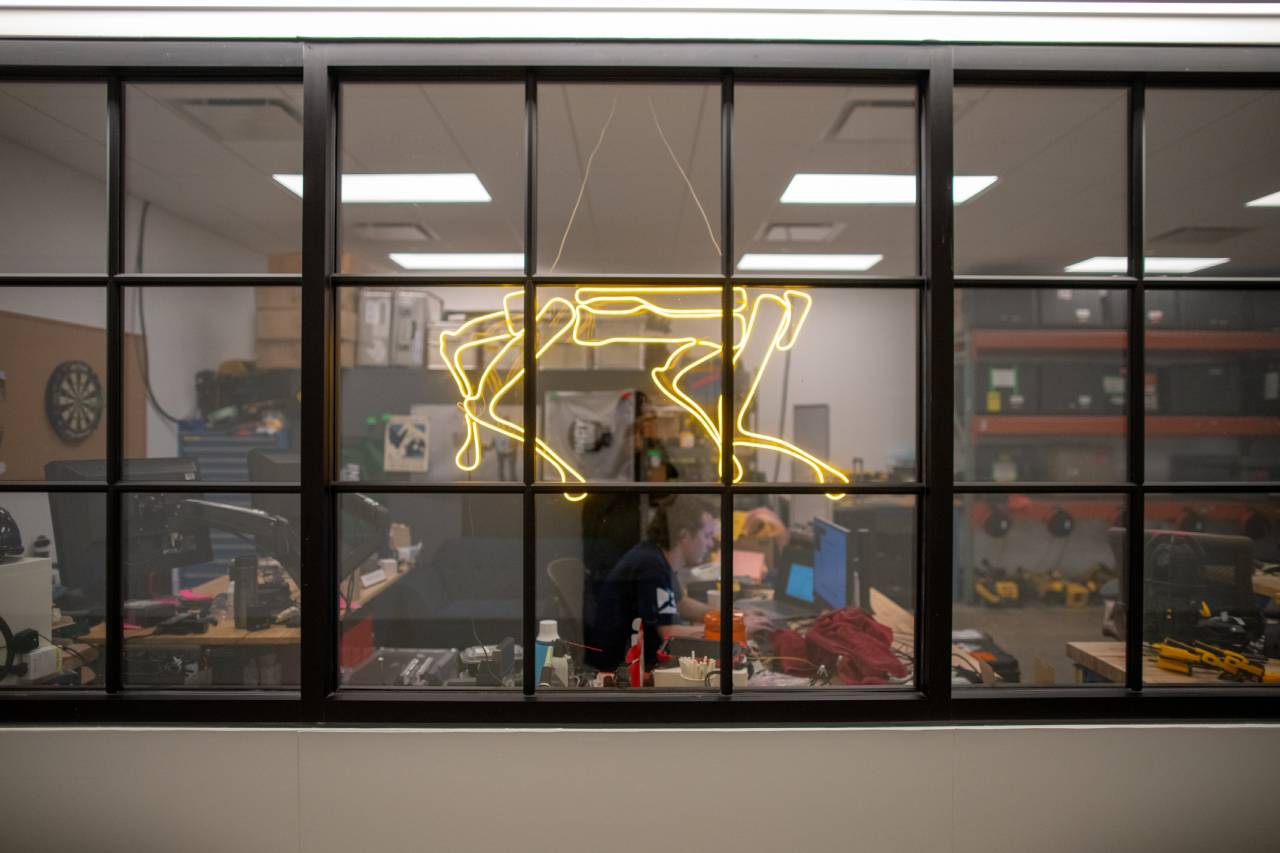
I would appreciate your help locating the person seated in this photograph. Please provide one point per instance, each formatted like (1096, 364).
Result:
(645, 583)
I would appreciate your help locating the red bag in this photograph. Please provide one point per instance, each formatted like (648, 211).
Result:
(848, 642)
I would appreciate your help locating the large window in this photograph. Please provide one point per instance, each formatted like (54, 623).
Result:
(539, 391)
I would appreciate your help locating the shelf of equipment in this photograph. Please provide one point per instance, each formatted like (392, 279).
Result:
(1114, 339)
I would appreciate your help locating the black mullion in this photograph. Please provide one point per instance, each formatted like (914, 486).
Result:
(215, 487)
(845, 283)
(114, 604)
(529, 630)
(1029, 281)
(933, 615)
(1250, 487)
(728, 404)
(53, 486)
(1118, 488)
(1209, 283)
(55, 279)
(397, 280)
(400, 487)
(318, 592)
(885, 488)
(670, 280)
(1136, 392)
(209, 280)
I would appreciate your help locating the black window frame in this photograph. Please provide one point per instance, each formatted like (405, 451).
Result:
(322, 66)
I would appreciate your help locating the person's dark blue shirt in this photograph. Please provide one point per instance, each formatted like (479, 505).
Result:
(643, 585)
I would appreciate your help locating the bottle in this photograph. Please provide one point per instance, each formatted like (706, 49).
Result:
(548, 635)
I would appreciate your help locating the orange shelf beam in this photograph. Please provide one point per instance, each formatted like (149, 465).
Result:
(1048, 425)
(1202, 425)
(1157, 425)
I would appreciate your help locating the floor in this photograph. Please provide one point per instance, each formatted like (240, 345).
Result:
(1034, 631)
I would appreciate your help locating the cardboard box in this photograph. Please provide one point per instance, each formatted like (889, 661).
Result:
(291, 297)
(285, 324)
(278, 324)
(291, 262)
(277, 297)
(284, 355)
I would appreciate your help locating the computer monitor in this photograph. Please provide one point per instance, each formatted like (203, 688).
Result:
(799, 586)
(831, 563)
(364, 521)
(79, 522)
(276, 466)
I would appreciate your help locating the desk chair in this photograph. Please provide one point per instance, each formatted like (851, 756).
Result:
(568, 579)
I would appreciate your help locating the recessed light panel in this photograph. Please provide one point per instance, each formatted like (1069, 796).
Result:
(450, 261)
(807, 263)
(834, 188)
(1111, 265)
(433, 188)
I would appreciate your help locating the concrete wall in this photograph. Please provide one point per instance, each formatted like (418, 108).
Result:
(975, 790)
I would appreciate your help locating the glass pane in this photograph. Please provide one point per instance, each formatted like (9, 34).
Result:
(826, 589)
(432, 384)
(826, 179)
(628, 383)
(826, 385)
(1213, 182)
(213, 400)
(628, 178)
(611, 560)
(430, 590)
(211, 590)
(1213, 385)
(1041, 180)
(53, 378)
(1211, 592)
(1037, 586)
(53, 570)
(432, 178)
(53, 167)
(1040, 385)
(213, 178)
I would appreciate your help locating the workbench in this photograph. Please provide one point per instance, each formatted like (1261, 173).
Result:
(226, 633)
(1106, 658)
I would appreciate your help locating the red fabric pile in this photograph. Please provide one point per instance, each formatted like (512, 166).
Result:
(848, 642)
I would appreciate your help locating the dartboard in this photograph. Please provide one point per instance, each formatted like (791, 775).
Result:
(73, 401)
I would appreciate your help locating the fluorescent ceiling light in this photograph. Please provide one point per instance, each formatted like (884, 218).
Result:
(468, 261)
(438, 188)
(1272, 200)
(825, 188)
(1159, 266)
(808, 263)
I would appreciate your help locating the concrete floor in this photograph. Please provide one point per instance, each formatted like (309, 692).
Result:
(1035, 631)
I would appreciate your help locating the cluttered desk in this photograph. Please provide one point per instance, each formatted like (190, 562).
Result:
(251, 603)
(1210, 615)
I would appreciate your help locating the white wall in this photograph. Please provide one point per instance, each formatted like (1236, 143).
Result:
(863, 340)
(1125, 788)
(966, 790)
(188, 330)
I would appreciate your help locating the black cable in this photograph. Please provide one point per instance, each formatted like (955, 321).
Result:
(9, 653)
(144, 363)
(64, 648)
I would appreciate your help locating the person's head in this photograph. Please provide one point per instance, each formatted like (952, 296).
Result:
(684, 526)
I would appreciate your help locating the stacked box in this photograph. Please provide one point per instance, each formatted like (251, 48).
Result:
(278, 328)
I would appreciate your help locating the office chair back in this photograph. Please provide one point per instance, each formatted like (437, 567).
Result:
(568, 577)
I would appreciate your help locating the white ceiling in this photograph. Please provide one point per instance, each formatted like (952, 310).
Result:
(1059, 155)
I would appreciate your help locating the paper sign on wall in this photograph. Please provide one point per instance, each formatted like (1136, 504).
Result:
(406, 444)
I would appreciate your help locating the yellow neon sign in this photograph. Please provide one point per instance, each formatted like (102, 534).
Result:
(574, 321)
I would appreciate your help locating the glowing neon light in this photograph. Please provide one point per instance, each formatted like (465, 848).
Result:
(574, 321)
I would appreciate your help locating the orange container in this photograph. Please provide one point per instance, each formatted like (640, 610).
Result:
(711, 626)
